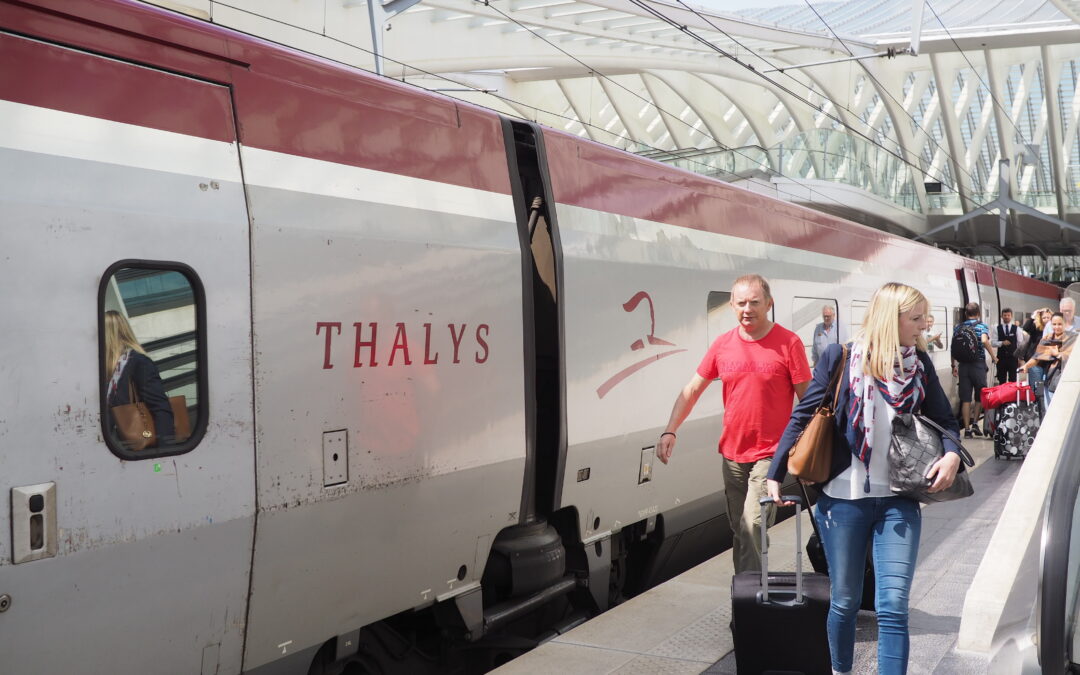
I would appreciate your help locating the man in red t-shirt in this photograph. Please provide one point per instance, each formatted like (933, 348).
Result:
(763, 367)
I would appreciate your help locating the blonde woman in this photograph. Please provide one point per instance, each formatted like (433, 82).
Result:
(887, 373)
(129, 367)
(1034, 327)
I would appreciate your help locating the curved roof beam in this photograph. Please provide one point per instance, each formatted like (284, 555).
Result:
(624, 105)
(678, 130)
(680, 90)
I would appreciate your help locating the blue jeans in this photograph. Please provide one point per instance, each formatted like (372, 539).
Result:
(892, 526)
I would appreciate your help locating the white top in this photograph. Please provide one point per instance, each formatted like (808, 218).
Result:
(850, 483)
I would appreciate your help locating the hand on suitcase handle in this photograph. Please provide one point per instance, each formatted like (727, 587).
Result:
(773, 489)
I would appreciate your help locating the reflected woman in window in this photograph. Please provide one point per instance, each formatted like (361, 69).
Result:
(131, 369)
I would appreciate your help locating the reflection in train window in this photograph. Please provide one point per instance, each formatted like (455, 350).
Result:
(151, 359)
(721, 318)
(857, 314)
(937, 329)
(809, 313)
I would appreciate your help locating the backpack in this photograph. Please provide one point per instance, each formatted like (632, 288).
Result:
(965, 344)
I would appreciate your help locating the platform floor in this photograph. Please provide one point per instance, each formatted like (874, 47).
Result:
(681, 626)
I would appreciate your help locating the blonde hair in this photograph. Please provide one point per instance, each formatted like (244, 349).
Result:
(880, 332)
(1038, 317)
(118, 338)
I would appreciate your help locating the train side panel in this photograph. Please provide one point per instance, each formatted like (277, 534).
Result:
(147, 567)
(388, 325)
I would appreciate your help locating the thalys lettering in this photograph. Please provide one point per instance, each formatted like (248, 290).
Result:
(372, 347)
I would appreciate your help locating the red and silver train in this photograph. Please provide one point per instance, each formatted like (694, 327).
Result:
(426, 352)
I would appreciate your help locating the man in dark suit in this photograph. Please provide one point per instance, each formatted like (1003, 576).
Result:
(1006, 338)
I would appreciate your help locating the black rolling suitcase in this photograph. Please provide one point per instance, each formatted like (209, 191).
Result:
(778, 618)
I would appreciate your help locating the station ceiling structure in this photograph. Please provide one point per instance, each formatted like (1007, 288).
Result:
(948, 100)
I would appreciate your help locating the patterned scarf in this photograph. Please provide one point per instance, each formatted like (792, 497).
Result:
(903, 392)
(114, 382)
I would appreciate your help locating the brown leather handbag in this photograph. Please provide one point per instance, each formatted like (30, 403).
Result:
(181, 423)
(134, 423)
(811, 457)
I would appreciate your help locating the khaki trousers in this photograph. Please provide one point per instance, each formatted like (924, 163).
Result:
(744, 485)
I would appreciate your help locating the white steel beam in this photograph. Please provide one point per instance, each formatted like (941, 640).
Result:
(1051, 70)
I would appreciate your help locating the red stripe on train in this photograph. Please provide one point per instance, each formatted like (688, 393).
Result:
(597, 177)
(286, 101)
(73, 81)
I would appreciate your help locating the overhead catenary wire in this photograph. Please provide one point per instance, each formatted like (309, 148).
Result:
(983, 207)
(662, 111)
(466, 86)
(989, 91)
(686, 30)
(783, 71)
(881, 87)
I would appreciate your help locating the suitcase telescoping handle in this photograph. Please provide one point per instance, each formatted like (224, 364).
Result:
(765, 501)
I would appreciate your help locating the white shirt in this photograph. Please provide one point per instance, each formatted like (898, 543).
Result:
(823, 337)
(850, 483)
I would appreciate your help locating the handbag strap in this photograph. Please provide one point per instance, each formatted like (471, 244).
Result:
(836, 379)
(133, 392)
(806, 500)
(964, 454)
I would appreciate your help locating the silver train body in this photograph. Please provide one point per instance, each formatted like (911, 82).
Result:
(426, 352)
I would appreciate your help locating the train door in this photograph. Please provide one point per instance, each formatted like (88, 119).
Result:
(123, 210)
(389, 371)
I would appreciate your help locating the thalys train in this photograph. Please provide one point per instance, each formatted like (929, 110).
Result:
(425, 352)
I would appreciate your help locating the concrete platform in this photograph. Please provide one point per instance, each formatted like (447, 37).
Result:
(681, 626)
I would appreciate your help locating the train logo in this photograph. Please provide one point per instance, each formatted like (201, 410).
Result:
(639, 344)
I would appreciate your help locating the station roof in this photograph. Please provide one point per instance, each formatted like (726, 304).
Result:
(991, 80)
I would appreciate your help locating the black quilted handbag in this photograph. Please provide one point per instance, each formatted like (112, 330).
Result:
(916, 445)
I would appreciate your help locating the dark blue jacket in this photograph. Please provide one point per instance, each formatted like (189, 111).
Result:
(140, 370)
(935, 405)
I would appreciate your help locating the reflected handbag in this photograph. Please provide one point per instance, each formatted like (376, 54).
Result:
(181, 422)
(916, 445)
(134, 423)
(810, 457)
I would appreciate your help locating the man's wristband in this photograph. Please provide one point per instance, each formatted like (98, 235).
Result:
(668, 433)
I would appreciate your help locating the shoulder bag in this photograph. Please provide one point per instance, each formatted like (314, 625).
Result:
(134, 423)
(916, 445)
(811, 457)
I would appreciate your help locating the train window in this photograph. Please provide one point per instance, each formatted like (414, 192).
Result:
(721, 318)
(151, 332)
(937, 329)
(857, 314)
(809, 313)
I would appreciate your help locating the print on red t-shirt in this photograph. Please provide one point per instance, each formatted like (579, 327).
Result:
(759, 378)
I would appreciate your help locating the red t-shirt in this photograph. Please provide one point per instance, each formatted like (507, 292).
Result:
(759, 378)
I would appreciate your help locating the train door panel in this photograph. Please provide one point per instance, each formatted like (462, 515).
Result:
(390, 390)
(113, 202)
(636, 326)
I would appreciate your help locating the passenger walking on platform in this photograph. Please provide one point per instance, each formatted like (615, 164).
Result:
(932, 337)
(970, 343)
(888, 373)
(825, 333)
(1007, 339)
(763, 367)
(1052, 354)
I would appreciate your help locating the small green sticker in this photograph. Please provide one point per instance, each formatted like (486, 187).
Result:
(157, 467)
